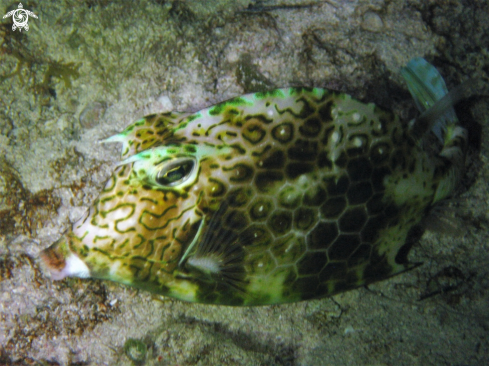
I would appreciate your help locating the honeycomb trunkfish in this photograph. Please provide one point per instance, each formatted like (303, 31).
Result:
(271, 197)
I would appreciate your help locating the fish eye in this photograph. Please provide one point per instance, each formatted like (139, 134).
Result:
(175, 172)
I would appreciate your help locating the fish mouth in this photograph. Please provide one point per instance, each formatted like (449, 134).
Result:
(62, 262)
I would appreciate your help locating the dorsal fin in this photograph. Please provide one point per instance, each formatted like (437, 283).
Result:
(432, 98)
(424, 82)
(427, 86)
(439, 117)
(147, 132)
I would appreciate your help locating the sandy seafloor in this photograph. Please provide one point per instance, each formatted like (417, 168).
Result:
(86, 69)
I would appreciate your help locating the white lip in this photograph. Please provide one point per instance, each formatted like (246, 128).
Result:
(74, 267)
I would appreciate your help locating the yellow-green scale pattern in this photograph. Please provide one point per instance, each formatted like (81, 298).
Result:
(267, 198)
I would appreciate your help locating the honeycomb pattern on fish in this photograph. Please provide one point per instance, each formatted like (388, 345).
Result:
(267, 198)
